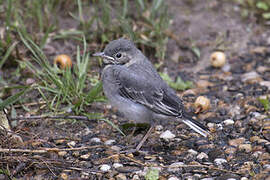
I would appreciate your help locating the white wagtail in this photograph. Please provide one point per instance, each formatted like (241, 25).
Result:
(134, 87)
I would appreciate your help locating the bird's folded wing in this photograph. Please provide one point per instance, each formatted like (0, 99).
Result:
(148, 91)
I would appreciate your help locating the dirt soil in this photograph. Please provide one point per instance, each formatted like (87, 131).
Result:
(239, 147)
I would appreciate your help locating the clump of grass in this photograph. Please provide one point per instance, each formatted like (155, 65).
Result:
(257, 8)
(266, 103)
(179, 84)
(12, 99)
(146, 25)
(62, 87)
(108, 20)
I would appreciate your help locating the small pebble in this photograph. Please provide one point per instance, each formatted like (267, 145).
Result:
(85, 156)
(250, 76)
(230, 150)
(202, 155)
(226, 68)
(85, 175)
(266, 166)
(116, 148)
(244, 178)
(68, 110)
(193, 152)
(245, 147)
(121, 177)
(117, 165)
(265, 83)
(176, 165)
(211, 125)
(159, 128)
(257, 154)
(71, 143)
(64, 176)
(109, 142)
(228, 122)
(167, 135)
(173, 178)
(236, 142)
(254, 138)
(76, 154)
(62, 153)
(108, 106)
(30, 81)
(209, 178)
(95, 140)
(235, 110)
(255, 114)
(135, 177)
(59, 141)
(105, 167)
(220, 161)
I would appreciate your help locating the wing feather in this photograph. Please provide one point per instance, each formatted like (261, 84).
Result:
(150, 92)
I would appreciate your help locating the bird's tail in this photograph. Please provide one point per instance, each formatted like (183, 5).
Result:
(196, 126)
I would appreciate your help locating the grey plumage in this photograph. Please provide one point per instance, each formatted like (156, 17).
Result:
(135, 88)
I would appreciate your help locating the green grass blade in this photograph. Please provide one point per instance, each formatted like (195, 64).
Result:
(7, 54)
(12, 99)
(94, 92)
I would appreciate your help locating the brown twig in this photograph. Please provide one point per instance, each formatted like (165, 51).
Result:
(30, 104)
(84, 118)
(133, 160)
(46, 150)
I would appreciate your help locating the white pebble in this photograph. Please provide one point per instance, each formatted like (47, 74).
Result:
(209, 178)
(173, 178)
(210, 125)
(244, 178)
(266, 166)
(136, 177)
(219, 161)
(249, 76)
(176, 165)
(226, 68)
(68, 110)
(95, 139)
(109, 142)
(117, 165)
(105, 167)
(255, 114)
(167, 135)
(116, 148)
(193, 152)
(85, 156)
(159, 128)
(265, 83)
(228, 122)
(235, 110)
(71, 143)
(202, 155)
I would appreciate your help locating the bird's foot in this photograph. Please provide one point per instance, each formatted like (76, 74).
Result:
(131, 151)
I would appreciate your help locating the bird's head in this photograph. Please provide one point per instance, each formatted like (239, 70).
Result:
(118, 52)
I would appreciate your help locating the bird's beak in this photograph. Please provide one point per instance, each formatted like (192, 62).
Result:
(105, 57)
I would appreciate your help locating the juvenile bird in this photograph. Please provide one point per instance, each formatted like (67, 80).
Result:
(134, 87)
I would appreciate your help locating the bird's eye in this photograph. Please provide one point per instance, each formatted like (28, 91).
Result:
(118, 55)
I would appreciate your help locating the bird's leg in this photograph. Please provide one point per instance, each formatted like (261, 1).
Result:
(131, 135)
(138, 147)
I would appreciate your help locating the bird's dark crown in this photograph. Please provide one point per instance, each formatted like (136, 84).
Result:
(118, 45)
